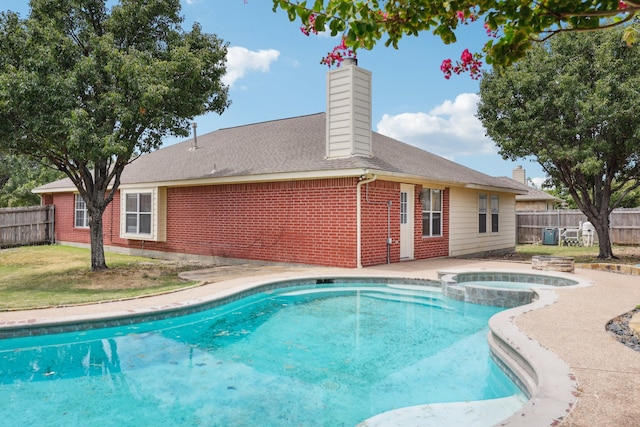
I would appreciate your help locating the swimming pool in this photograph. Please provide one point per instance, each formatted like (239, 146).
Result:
(327, 354)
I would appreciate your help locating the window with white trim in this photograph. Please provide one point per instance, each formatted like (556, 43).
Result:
(404, 207)
(482, 213)
(81, 216)
(143, 214)
(431, 200)
(138, 213)
(495, 213)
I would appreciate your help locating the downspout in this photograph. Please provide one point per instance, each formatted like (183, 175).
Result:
(363, 181)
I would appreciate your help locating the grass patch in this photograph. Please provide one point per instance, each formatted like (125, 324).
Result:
(581, 254)
(45, 276)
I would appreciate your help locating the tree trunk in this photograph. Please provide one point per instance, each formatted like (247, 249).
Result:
(604, 240)
(98, 261)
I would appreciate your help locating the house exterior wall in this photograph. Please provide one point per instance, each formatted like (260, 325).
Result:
(464, 236)
(300, 222)
(377, 215)
(65, 229)
(310, 222)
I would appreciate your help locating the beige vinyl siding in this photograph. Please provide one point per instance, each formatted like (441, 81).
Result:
(348, 112)
(464, 238)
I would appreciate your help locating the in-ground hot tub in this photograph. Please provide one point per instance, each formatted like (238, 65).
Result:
(502, 289)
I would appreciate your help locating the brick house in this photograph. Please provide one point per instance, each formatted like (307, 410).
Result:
(320, 189)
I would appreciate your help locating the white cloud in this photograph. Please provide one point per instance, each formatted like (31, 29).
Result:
(449, 130)
(538, 181)
(240, 60)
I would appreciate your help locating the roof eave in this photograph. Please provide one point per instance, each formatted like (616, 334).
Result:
(295, 176)
(495, 188)
(238, 179)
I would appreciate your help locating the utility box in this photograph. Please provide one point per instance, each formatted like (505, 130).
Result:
(550, 236)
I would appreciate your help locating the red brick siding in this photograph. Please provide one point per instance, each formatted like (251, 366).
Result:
(300, 221)
(65, 229)
(375, 214)
(64, 220)
(312, 222)
(46, 199)
(374, 225)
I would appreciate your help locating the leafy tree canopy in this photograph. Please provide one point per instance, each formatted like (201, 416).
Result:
(628, 198)
(571, 103)
(513, 25)
(18, 176)
(88, 88)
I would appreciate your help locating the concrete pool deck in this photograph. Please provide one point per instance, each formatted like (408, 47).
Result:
(573, 327)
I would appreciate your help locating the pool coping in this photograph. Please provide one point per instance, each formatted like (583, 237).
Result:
(552, 386)
(551, 383)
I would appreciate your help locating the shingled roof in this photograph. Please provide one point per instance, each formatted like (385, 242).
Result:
(288, 146)
(532, 193)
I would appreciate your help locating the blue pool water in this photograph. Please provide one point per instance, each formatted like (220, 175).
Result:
(329, 355)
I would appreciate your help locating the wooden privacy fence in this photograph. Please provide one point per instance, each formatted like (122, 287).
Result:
(624, 224)
(31, 225)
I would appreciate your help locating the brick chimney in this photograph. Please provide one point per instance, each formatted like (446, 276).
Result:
(348, 111)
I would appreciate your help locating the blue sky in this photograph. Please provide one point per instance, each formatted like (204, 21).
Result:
(274, 72)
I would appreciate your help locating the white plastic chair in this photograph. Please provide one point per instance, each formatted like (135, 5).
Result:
(588, 231)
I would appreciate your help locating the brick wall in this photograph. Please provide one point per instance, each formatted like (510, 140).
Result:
(65, 229)
(301, 221)
(375, 222)
(375, 225)
(311, 222)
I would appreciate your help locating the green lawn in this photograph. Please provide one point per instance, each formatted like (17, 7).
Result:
(625, 254)
(45, 276)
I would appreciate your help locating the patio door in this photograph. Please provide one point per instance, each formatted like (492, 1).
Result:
(406, 221)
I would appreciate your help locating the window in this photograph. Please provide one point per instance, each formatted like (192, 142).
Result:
(143, 214)
(495, 210)
(431, 212)
(482, 213)
(404, 213)
(138, 213)
(81, 215)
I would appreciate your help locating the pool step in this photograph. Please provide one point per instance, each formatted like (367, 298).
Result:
(431, 300)
(479, 413)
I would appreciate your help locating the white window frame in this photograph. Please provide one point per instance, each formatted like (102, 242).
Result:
(138, 209)
(404, 207)
(156, 215)
(80, 206)
(431, 201)
(483, 200)
(495, 213)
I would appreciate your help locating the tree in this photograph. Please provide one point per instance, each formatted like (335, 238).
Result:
(628, 198)
(18, 176)
(513, 25)
(572, 105)
(88, 89)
